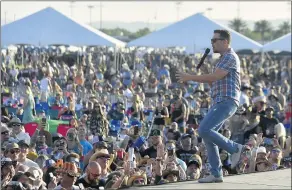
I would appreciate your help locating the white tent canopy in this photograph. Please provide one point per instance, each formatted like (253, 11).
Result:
(281, 44)
(194, 33)
(50, 27)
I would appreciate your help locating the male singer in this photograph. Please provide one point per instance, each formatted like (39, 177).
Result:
(225, 93)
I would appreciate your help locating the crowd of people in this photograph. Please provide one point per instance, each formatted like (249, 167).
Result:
(133, 126)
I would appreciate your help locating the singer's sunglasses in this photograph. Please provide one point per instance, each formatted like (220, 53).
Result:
(214, 40)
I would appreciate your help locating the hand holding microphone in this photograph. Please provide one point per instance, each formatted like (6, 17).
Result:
(207, 51)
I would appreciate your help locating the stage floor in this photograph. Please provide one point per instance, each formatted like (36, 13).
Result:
(280, 179)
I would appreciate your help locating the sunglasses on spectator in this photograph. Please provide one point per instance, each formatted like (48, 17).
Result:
(95, 175)
(14, 151)
(58, 145)
(214, 40)
(5, 133)
(16, 125)
(276, 151)
(104, 157)
(139, 181)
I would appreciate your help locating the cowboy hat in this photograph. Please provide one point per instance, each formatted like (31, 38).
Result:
(137, 175)
(14, 120)
(100, 153)
(195, 159)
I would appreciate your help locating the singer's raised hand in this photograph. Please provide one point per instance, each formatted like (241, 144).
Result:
(182, 77)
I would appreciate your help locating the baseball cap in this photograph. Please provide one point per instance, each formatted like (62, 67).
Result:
(186, 136)
(270, 108)
(12, 146)
(101, 145)
(156, 132)
(22, 143)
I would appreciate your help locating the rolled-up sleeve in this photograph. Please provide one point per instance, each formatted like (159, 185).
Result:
(226, 63)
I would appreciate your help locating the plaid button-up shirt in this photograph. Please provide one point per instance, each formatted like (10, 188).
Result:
(229, 86)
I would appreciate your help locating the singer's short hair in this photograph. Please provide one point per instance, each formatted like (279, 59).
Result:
(224, 34)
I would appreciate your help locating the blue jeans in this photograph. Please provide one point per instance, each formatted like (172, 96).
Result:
(208, 130)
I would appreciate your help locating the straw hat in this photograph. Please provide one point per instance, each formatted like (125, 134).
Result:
(101, 152)
(138, 174)
(262, 150)
(14, 120)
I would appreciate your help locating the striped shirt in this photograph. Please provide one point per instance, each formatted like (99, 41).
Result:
(229, 86)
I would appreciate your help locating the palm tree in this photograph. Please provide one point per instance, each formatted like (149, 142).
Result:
(262, 27)
(237, 24)
(285, 28)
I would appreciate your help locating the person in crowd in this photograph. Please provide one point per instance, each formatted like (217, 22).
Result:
(29, 104)
(97, 122)
(194, 167)
(69, 173)
(59, 149)
(178, 112)
(268, 123)
(245, 95)
(18, 132)
(102, 157)
(42, 131)
(24, 150)
(12, 152)
(156, 138)
(7, 171)
(45, 87)
(161, 112)
(73, 143)
(91, 179)
(5, 136)
(186, 151)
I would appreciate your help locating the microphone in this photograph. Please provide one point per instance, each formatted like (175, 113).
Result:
(207, 51)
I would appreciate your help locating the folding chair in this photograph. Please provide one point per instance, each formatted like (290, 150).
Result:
(53, 113)
(12, 110)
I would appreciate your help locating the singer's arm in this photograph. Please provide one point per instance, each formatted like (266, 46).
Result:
(206, 78)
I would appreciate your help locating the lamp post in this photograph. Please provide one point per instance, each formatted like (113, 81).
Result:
(100, 12)
(178, 4)
(71, 7)
(90, 9)
(208, 10)
(238, 9)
